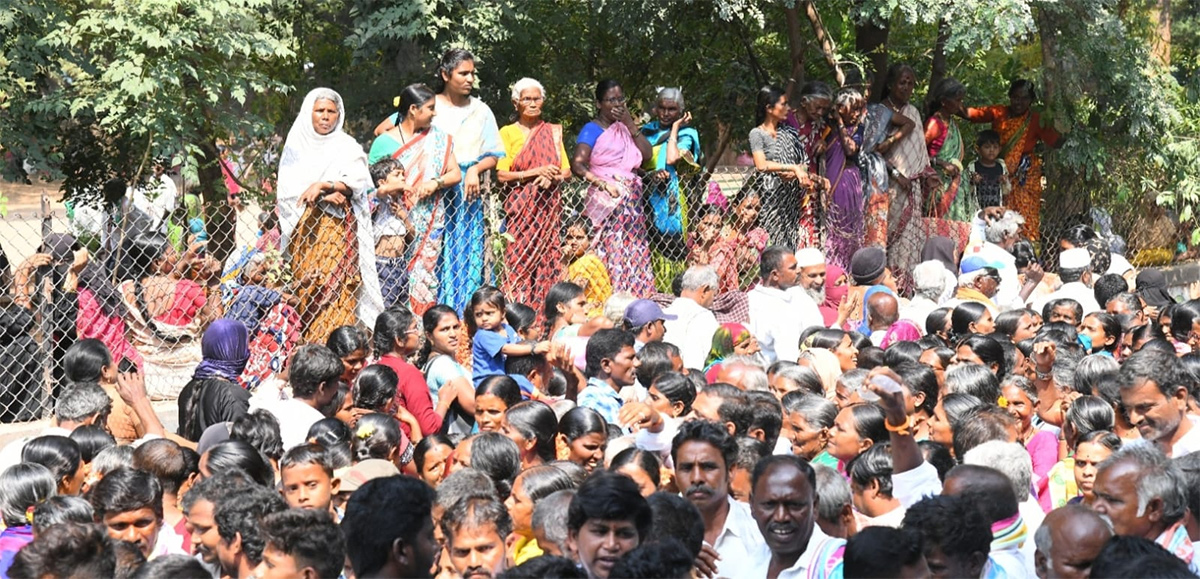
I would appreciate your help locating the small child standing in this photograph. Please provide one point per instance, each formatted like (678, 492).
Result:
(492, 340)
(987, 176)
(393, 229)
(582, 267)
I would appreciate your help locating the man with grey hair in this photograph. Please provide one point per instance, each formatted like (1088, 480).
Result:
(692, 329)
(930, 280)
(1068, 541)
(549, 522)
(1000, 234)
(1013, 461)
(835, 509)
(78, 405)
(745, 372)
(1141, 493)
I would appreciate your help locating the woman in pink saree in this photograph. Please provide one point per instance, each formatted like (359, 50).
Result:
(607, 152)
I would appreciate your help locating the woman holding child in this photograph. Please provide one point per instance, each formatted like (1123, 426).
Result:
(1020, 130)
(429, 167)
(325, 219)
(608, 150)
(534, 164)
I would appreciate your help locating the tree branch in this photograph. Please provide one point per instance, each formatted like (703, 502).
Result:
(828, 50)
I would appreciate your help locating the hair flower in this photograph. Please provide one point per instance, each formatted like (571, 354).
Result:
(1002, 402)
(365, 432)
(29, 515)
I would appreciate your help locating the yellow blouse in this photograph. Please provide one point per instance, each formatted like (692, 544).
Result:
(589, 268)
(513, 137)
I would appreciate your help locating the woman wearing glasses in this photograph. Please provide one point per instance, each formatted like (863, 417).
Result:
(534, 164)
(607, 152)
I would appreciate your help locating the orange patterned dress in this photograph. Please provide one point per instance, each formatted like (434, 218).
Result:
(1018, 136)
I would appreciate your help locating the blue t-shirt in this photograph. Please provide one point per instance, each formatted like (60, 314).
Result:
(486, 359)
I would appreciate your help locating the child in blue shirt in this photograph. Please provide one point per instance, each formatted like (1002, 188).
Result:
(492, 340)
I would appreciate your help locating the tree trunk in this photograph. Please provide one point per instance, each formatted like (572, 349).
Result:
(1160, 16)
(1048, 34)
(828, 50)
(219, 218)
(795, 46)
(870, 39)
(938, 70)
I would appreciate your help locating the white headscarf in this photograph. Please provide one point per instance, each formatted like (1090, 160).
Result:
(309, 157)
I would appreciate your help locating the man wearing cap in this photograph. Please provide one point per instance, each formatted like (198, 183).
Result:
(693, 324)
(779, 310)
(644, 319)
(977, 282)
(1075, 271)
(811, 262)
(868, 267)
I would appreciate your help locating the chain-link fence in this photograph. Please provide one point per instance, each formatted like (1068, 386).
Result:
(331, 268)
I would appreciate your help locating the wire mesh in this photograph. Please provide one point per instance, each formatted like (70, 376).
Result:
(637, 236)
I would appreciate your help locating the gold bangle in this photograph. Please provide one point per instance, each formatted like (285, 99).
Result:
(902, 430)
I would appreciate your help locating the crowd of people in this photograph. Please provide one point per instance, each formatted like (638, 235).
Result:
(782, 397)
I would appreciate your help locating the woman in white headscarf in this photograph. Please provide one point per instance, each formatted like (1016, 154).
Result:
(323, 172)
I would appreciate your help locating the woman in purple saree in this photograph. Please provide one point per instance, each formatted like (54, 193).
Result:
(607, 152)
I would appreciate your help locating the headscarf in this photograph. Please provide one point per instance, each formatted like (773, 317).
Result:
(901, 331)
(225, 348)
(864, 327)
(940, 249)
(723, 341)
(827, 367)
(833, 293)
(309, 157)
(1152, 287)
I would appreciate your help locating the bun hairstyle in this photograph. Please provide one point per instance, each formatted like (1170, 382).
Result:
(378, 436)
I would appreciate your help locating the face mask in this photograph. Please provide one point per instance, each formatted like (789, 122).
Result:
(1086, 342)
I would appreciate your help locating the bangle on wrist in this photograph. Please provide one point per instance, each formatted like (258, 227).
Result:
(902, 430)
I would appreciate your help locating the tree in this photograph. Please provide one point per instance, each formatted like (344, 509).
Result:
(101, 90)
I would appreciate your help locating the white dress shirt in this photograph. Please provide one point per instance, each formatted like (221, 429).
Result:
(777, 318)
(918, 310)
(740, 544)
(692, 331)
(817, 543)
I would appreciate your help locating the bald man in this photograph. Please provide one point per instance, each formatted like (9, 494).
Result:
(882, 311)
(1068, 541)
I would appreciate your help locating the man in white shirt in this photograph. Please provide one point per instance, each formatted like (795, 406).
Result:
(780, 311)
(1075, 271)
(313, 372)
(794, 546)
(702, 452)
(930, 282)
(692, 329)
(1000, 235)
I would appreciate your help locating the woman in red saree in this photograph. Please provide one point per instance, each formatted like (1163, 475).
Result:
(607, 152)
(1020, 130)
(534, 164)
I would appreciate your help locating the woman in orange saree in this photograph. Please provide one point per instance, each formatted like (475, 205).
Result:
(1020, 130)
(534, 164)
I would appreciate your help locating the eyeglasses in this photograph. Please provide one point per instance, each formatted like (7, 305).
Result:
(531, 100)
(614, 100)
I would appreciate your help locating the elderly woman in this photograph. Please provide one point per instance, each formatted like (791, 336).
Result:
(477, 147)
(784, 180)
(325, 220)
(608, 151)
(170, 301)
(808, 118)
(1020, 130)
(675, 146)
(944, 143)
(430, 168)
(908, 164)
(534, 164)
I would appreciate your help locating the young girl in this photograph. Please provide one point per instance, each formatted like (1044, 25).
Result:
(1100, 333)
(566, 305)
(378, 436)
(704, 236)
(393, 229)
(492, 340)
(582, 267)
